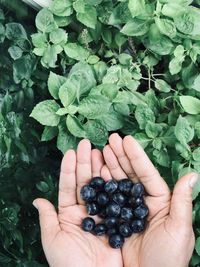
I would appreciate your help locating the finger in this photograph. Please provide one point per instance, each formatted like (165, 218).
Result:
(49, 223)
(83, 166)
(97, 162)
(144, 168)
(67, 182)
(113, 164)
(105, 173)
(181, 204)
(116, 144)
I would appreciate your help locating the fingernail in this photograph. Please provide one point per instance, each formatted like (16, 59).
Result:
(193, 180)
(34, 204)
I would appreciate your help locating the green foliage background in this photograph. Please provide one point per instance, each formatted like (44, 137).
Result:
(86, 69)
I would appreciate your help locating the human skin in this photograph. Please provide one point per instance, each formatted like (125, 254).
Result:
(168, 240)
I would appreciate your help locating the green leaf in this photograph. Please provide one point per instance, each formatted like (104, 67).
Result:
(89, 17)
(183, 131)
(42, 186)
(39, 40)
(152, 129)
(67, 93)
(175, 65)
(143, 114)
(93, 107)
(166, 27)
(96, 132)
(15, 52)
(76, 51)
(197, 129)
(75, 127)
(55, 81)
(50, 56)
(143, 139)
(45, 113)
(109, 90)
(196, 84)
(162, 86)
(65, 139)
(58, 36)
(135, 27)
(112, 121)
(79, 6)
(162, 157)
(190, 104)
(122, 108)
(49, 133)
(45, 21)
(197, 246)
(196, 154)
(61, 8)
(15, 31)
(136, 7)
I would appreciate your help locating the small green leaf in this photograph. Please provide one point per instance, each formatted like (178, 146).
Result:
(42, 186)
(162, 157)
(162, 86)
(45, 21)
(58, 36)
(79, 6)
(136, 7)
(15, 52)
(55, 81)
(143, 139)
(96, 132)
(67, 93)
(183, 131)
(196, 154)
(135, 27)
(49, 133)
(76, 51)
(75, 127)
(196, 84)
(89, 17)
(166, 27)
(45, 113)
(190, 104)
(65, 139)
(143, 114)
(15, 31)
(61, 8)
(39, 40)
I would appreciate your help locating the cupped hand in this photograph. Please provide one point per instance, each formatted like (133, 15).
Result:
(168, 240)
(64, 243)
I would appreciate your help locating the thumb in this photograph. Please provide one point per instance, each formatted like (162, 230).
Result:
(48, 217)
(181, 203)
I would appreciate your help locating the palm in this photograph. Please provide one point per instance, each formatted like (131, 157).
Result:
(64, 242)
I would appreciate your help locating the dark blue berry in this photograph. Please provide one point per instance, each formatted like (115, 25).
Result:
(102, 198)
(87, 193)
(134, 202)
(141, 211)
(119, 198)
(137, 190)
(102, 214)
(88, 224)
(137, 226)
(112, 231)
(92, 208)
(97, 183)
(116, 241)
(126, 213)
(125, 230)
(111, 186)
(125, 186)
(113, 209)
(111, 222)
(99, 229)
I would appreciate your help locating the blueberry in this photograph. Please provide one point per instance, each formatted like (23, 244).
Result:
(119, 198)
(99, 229)
(137, 226)
(113, 209)
(125, 230)
(88, 224)
(141, 211)
(111, 222)
(92, 208)
(125, 186)
(102, 198)
(97, 183)
(112, 231)
(126, 213)
(116, 241)
(88, 193)
(102, 214)
(134, 202)
(111, 186)
(137, 190)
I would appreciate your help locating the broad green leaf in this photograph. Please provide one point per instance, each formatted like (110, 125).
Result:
(75, 127)
(49, 133)
(65, 139)
(136, 7)
(89, 17)
(143, 114)
(79, 6)
(96, 132)
(196, 154)
(196, 84)
(183, 131)
(45, 21)
(50, 57)
(166, 27)
(162, 47)
(67, 93)
(152, 129)
(15, 31)
(162, 86)
(61, 8)
(15, 52)
(71, 109)
(190, 104)
(109, 90)
(55, 81)
(39, 40)
(122, 108)
(143, 139)
(100, 69)
(175, 65)
(168, 137)
(179, 51)
(188, 74)
(58, 36)
(76, 51)
(45, 113)
(93, 107)
(112, 121)
(135, 27)
(162, 157)
(120, 14)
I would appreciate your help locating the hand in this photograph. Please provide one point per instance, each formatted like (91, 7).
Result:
(169, 239)
(64, 242)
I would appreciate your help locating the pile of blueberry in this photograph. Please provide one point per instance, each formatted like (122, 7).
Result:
(121, 206)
